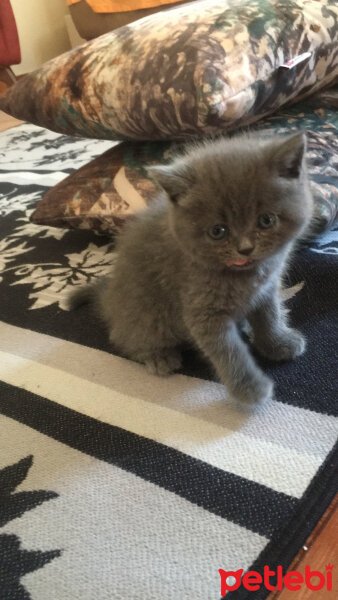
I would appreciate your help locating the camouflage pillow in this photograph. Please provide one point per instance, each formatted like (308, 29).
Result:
(203, 67)
(107, 191)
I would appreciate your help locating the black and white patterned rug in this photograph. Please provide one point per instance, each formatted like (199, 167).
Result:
(116, 484)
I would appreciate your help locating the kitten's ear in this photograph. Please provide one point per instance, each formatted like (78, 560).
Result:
(289, 154)
(173, 179)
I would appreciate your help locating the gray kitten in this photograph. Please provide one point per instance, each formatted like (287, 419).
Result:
(208, 254)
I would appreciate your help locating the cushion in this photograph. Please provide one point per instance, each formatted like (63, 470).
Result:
(111, 188)
(205, 67)
(104, 193)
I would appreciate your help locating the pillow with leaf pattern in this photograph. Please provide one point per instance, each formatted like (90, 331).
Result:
(196, 69)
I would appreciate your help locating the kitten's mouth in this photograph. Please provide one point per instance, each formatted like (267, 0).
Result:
(240, 264)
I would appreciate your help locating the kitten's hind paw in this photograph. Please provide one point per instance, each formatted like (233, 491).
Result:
(163, 362)
(287, 345)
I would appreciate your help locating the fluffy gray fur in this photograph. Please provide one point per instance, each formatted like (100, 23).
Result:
(173, 282)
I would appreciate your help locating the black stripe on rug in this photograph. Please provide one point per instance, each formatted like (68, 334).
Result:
(242, 501)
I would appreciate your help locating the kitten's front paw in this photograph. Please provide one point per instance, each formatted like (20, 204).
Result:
(254, 390)
(287, 345)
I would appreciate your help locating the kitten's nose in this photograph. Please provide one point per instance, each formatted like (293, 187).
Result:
(245, 247)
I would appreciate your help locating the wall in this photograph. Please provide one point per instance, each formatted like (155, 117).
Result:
(42, 31)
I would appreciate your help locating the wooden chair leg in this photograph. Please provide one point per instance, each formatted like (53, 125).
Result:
(7, 75)
(11, 74)
(7, 79)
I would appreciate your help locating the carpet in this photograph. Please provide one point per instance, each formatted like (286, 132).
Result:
(116, 484)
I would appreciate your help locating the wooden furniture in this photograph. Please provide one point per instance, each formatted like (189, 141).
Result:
(91, 24)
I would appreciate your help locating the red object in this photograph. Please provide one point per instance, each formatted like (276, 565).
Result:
(9, 41)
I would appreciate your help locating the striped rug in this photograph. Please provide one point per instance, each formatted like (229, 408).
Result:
(115, 484)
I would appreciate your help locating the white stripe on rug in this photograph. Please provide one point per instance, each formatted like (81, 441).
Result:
(30, 177)
(121, 393)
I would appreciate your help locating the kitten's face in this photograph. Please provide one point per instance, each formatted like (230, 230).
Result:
(237, 202)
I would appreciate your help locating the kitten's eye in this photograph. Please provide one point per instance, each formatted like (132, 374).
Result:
(265, 221)
(218, 232)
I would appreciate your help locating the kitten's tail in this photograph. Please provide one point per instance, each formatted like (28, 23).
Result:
(81, 295)
(85, 294)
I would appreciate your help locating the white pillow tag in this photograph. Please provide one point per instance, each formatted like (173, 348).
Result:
(295, 61)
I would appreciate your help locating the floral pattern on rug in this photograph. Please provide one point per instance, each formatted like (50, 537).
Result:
(50, 281)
